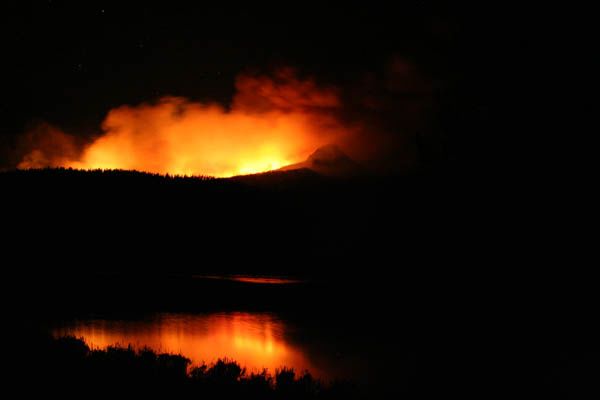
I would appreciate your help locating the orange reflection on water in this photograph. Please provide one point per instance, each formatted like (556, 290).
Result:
(252, 279)
(272, 281)
(255, 341)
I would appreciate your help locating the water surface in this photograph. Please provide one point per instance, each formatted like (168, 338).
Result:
(255, 340)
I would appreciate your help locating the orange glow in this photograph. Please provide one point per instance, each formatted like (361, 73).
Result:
(269, 281)
(252, 279)
(272, 122)
(255, 341)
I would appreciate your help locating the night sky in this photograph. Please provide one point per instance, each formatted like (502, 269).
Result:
(451, 87)
(67, 63)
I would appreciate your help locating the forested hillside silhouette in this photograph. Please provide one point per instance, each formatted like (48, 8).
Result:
(428, 250)
(288, 221)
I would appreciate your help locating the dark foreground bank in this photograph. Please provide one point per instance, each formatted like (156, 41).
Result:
(67, 368)
(70, 369)
(476, 300)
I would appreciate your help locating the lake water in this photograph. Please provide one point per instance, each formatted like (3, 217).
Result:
(254, 340)
(258, 321)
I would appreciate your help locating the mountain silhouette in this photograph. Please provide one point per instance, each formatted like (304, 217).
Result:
(328, 160)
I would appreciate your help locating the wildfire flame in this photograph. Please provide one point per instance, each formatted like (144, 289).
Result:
(272, 122)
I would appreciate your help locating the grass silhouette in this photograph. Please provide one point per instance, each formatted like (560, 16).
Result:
(71, 369)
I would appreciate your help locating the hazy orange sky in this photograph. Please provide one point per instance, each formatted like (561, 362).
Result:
(272, 122)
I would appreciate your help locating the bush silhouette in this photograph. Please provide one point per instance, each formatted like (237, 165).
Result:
(73, 370)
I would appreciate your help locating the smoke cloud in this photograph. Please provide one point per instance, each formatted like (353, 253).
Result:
(273, 121)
